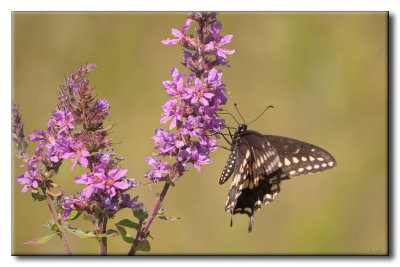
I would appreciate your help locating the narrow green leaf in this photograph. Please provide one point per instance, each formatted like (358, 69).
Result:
(74, 215)
(129, 223)
(109, 233)
(163, 217)
(143, 245)
(125, 236)
(41, 240)
(79, 232)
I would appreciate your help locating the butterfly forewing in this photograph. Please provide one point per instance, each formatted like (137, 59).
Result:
(298, 157)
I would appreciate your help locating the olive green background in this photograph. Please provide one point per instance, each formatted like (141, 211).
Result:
(325, 73)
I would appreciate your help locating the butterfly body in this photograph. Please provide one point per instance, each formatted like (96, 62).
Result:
(260, 162)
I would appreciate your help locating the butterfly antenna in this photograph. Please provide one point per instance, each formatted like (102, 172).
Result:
(261, 114)
(227, 113)
(239, 113)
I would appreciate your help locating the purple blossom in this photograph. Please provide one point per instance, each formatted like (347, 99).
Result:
(29, 179)
(110, 204)
(219, 41)
(75, 150)
(171, 111)
(199, 158)
(127, 202)
(102, 105)
(42, 136)
(166, 142)
(70, 203)
(103, 182)
(49, 139)
(176, 88)
(199, 94)
(158, 169)
(178, 34)
(64, 121)
(192, 126)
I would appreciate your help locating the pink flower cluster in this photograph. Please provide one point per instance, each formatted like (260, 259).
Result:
(76, 132)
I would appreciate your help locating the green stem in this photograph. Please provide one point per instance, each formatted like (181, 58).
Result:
(101, 228)
(58, 222)
(153, 214)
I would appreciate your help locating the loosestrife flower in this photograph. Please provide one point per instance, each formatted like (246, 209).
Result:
(193, 105)
(75, 132)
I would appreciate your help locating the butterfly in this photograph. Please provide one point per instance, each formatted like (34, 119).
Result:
(260, 162)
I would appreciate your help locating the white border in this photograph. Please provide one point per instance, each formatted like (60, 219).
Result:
(173, 5)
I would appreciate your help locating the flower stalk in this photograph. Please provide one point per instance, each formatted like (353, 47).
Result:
(101, 228)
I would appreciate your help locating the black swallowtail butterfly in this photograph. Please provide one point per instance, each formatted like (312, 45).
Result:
(259, 164)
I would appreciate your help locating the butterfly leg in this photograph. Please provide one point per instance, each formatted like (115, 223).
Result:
(224, 147)
(226, 139)
(230, 133)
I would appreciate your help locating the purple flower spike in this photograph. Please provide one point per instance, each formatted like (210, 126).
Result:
(76, 131)
(193, 105)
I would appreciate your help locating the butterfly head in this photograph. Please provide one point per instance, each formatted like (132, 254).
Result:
(242, 128)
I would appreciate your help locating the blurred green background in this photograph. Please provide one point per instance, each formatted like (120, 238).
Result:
(325, 73)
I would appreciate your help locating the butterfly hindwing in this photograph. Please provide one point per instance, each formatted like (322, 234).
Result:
(257, 175)
(253, 195)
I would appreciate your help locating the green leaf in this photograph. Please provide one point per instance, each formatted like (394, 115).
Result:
(130, 224)
(79, 232)
(143, 245)
(74, 215)
(163, 217)
(52, 226)
(140, 214)
(42, 240)
(125, 236)
(37, 196)
(109, 233)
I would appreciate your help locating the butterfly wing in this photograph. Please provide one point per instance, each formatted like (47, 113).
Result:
(298, 157)
(261, 162)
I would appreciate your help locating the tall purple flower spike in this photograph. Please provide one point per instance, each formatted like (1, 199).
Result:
(192, 107)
